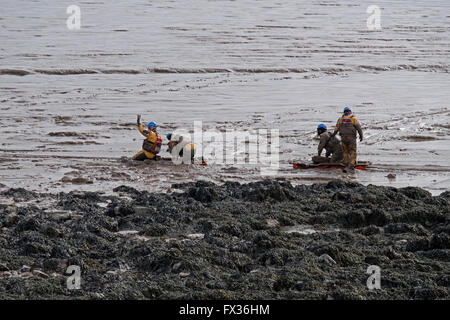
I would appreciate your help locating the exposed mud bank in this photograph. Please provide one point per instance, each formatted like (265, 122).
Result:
(263, 240)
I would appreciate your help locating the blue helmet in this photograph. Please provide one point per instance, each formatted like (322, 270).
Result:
(152, 124)
(322, 126)
(347, 109)
(169, 136)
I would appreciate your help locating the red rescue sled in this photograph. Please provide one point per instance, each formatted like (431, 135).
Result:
(360, 165)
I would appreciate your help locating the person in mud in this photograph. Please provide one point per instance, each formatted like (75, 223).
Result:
(152, 143)
(181, 143)
(331, 144)
(347, 126)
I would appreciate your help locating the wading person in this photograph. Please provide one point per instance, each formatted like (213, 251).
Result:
(347, 126)
(331, 144)
(180, 145)
(152, 142)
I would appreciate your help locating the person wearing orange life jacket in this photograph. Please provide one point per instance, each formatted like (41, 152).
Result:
(152, 143)
(347, 126)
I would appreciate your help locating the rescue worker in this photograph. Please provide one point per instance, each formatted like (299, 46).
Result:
(152, 142)
(331, 144)
(347, 126)
(181, 143)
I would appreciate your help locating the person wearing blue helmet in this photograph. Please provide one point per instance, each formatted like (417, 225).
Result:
(347, 126)
(331, 144)
(180, 146)
(152, 142)
(152, 126)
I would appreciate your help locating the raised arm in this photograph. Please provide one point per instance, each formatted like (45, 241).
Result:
(141, 127)
(143, 131)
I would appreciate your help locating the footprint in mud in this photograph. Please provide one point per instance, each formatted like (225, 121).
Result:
(77, 180)
(120, 175)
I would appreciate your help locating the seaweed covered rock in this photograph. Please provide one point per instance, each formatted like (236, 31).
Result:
(259, 240)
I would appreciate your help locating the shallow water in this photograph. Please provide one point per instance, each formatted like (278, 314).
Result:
(69, 99)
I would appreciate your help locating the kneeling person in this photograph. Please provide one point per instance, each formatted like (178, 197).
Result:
(180, 145)
(332, 146)
(152, 143)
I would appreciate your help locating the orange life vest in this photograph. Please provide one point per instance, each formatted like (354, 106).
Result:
(153, 147)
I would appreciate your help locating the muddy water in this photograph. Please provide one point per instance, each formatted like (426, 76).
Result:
(69, 99)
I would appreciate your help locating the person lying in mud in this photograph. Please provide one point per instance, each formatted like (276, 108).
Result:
(331, 144)
(348, 126)
(182, 146)
(152, 142)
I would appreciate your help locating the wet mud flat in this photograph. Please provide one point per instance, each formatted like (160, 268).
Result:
(260, 240)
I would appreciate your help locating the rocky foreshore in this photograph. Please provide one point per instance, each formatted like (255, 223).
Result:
(263, 240)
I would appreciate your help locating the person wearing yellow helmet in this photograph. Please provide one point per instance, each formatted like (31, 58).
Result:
(152, 142)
